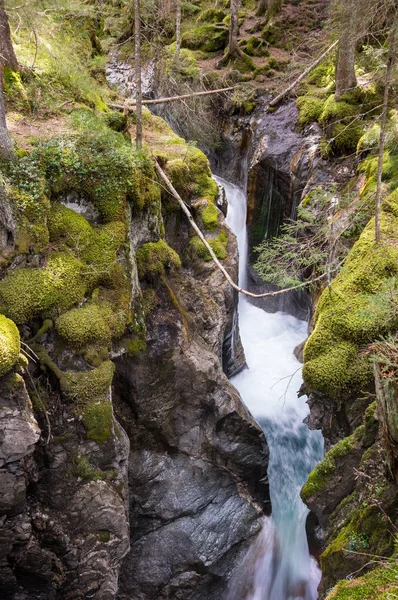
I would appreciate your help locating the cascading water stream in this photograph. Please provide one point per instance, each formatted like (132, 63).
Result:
(278, 566)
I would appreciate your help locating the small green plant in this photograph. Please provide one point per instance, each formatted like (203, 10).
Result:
(357, 542)
(85, 470)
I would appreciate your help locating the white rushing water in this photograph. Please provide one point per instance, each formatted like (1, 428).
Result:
(278, 566)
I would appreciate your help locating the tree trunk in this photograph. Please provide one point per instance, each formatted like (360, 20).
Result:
(6, 146)
(345, 66)
(390, 63)
(7, 59)
(138, 95)
(7, 54)
(178, 32)
(233, 48)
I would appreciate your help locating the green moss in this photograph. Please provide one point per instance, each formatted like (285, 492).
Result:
(136, 345)
(28, 293)
(68, 225)
(218, 245)
(244, 99)
(89, 391)
(370, 139)
(102, 167)
(366, 525)
(154, 257)
(371, 426)
(206, 37)
(325, 470)
(90, 324)
(116, 120)
(200, 174)
(345, 137)
(310, 109)
(322, 75)
(390, 204)
(244, 64)
(98, 418)
(342, 124)
(212, 15)
(209, 216)
(254, 46)
(360, 306)
(379, 584)
(9, 345)
(100, 253)
(85, 470)
(187, 67)
(334, 109)
(103, 535)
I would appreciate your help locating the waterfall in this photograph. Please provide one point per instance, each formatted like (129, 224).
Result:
(278, 565)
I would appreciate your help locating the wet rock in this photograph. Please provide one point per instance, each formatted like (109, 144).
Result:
(198, 459)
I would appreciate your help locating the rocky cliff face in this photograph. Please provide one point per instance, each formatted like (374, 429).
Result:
(137, 472)
(353, 490)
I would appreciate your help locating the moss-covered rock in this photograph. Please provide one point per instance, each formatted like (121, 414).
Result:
(209, 216)
(218, 245)
(153, 259)
(100, 253)
(254, 46)
(28, 293)
(206, 37)
(212, 15)
(359, 306)
(322, 473)
(310, 109)
(9, 345)
(379, 584)
(89, 391)
(101, 167)
(336, 109)
(92, 323)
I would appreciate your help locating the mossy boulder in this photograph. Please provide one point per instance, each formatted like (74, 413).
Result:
(27, 293)
(153, 259)
(359, 306)
(191, 174)
(96, 246)
(9, 345)
(206, 37)
(212, 15)
(254, 46)
(92, 323)
(67, 225)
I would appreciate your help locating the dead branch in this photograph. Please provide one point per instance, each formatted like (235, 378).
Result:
(131, 105)
(227, 276)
